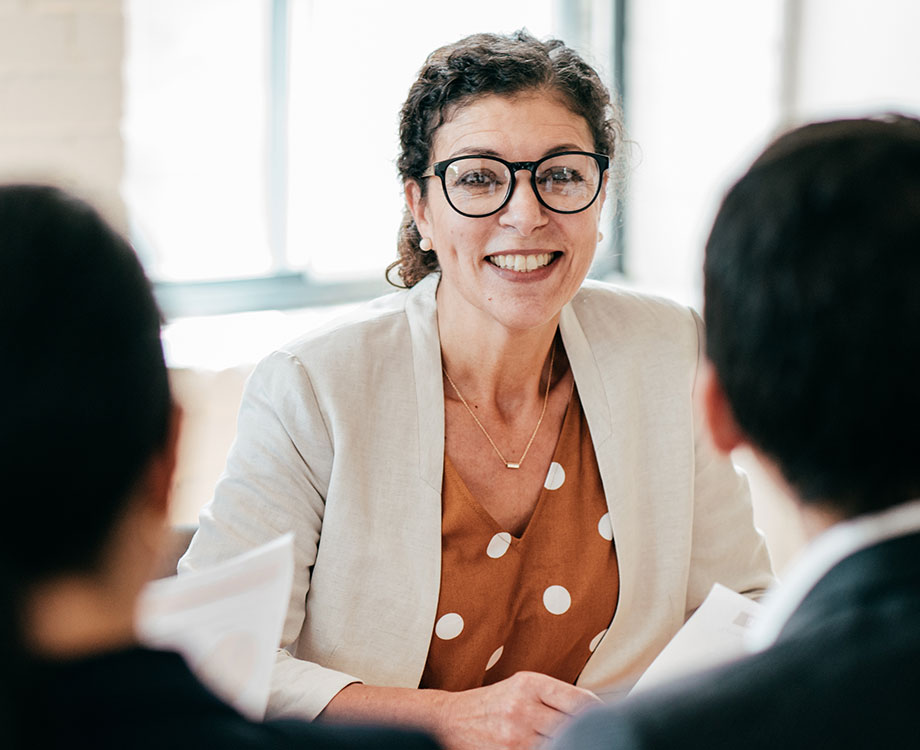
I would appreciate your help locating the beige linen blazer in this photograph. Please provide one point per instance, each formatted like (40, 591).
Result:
(341, 439)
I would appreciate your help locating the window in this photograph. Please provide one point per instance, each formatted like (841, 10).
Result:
(232, 108)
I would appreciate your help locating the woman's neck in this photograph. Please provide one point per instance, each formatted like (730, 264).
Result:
(489, 362)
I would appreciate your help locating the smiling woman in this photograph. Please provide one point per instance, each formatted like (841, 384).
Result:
(519, 294)
(502, 498)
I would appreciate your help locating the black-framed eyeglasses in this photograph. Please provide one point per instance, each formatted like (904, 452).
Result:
(477, 185)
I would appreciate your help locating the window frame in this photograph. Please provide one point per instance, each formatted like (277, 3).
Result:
(287, 289)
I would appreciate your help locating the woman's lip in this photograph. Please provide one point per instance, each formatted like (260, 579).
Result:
(556, 254)
(538, 251)
(523, 277)
(534, 274)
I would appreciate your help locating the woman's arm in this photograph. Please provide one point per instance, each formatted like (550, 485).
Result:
(266, 490)
(518, 712)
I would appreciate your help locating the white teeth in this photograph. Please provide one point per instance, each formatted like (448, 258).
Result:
(521, 263)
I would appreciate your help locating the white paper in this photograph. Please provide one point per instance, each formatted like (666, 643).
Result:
(713, 635)
(226, 621)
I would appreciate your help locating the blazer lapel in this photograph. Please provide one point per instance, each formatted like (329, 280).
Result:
(422, 314)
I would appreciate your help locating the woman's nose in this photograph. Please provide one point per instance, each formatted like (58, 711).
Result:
(523, 211)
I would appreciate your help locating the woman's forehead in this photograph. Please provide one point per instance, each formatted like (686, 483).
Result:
(534, 122)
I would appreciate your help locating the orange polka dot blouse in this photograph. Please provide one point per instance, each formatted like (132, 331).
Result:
(539, 602)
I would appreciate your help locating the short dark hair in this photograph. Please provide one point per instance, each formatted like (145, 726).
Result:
(477, 66)
(86, 400)
(812, 289)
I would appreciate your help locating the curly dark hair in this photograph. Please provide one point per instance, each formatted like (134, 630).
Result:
(477, 66)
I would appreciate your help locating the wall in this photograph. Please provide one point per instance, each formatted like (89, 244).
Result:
(61, 96)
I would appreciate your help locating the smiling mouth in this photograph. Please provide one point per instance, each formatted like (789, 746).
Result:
(522, 263)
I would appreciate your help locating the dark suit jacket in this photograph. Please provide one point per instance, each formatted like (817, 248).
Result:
(140, 698)
(844, 673)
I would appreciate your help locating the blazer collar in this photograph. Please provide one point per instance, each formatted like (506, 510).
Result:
(422, 314)
(587, 375)
(833, 551)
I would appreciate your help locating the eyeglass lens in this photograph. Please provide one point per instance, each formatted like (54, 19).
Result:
(478, 186)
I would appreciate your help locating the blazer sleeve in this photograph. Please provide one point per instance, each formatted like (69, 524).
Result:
(275, 481)
(726, 547)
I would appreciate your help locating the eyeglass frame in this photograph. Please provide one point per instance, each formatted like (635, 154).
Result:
(439, 168)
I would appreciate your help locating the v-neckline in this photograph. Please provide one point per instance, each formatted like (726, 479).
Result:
(541, 500)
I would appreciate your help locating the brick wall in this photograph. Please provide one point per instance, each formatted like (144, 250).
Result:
(61, 97)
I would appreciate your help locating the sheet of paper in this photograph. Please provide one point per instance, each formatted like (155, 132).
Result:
(226, 621)
(713, 634)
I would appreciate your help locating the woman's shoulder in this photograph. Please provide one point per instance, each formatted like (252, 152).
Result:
(367, 335)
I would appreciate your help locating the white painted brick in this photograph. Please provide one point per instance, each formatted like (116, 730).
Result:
(62, 98)
(99, 39)
(73, 6)
(90, 169)
(30, 41)
(61, 95)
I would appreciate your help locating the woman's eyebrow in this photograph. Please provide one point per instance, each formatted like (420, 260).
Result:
(475, 150)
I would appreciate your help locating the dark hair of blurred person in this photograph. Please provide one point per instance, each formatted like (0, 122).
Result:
(87, 451)
(812, 310)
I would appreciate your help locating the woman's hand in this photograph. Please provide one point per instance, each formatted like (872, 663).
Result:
(521, 711)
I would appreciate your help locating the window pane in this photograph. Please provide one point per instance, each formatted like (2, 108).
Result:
(351, 67)
(195, 132)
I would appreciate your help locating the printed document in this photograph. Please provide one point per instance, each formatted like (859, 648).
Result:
(226, 621)
(714, 634)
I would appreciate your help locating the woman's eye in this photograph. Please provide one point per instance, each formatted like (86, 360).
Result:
(565, 175)
(478, 179)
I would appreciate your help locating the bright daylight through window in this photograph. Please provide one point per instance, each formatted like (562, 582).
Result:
(261, 136)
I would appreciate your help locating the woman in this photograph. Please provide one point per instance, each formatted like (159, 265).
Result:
(83, 371)
(495, 477)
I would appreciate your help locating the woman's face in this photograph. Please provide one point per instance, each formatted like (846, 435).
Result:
(473, 285)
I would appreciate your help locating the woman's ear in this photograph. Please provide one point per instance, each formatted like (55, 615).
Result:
(418, 206)
(720, 418)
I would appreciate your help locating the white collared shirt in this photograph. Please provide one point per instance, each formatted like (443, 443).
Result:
(826, 550)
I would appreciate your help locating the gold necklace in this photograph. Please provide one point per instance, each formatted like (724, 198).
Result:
(508, 464)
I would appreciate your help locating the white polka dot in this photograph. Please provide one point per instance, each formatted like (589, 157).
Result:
(554, 477)
(498, 545)
(605, 528)
(557, 600)
(449, 626)
(596, 640)
(496, 655)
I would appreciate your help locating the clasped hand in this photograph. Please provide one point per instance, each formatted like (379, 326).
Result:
(522, 711)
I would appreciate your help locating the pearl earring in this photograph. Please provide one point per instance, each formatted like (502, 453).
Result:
(425, 245)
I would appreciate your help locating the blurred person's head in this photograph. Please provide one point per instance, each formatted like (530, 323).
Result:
(812, 309)
(87, 434)
(487, 65)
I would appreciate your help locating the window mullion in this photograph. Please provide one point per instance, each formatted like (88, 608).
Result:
(277, 133)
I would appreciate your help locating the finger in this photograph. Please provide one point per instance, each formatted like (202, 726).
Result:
(566, 698)
(545, 720)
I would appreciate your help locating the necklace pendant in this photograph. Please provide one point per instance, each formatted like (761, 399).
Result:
(510, 465)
